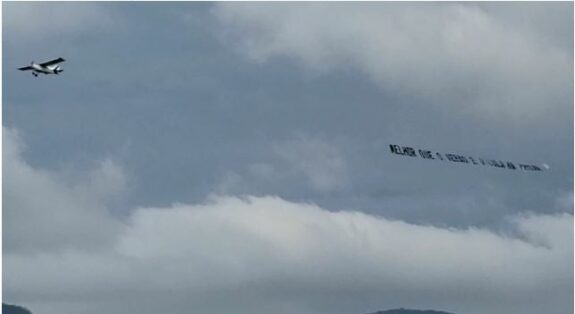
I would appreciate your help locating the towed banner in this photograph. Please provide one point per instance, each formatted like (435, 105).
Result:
(427, 154)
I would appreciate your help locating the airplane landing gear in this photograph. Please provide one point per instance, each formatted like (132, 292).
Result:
(35, 74)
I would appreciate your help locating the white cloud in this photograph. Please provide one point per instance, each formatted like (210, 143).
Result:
(259, 253)
(41, 211)
(460, 55)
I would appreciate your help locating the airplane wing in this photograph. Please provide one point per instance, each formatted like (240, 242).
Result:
(26, 68)
(55, 61)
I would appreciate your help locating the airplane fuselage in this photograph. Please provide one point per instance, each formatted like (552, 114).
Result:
(54, 69)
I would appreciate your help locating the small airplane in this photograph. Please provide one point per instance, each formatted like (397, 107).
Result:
(49, 67)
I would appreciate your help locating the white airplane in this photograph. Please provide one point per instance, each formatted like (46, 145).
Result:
(49, 67)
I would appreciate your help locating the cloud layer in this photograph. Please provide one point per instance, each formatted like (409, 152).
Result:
(259, 254)
(45, 211)
(459, 55)
(261, 181)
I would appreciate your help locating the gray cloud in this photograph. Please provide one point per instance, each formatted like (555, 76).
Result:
(315, 164)
(35, 20)
(476, 78)
(108, 206)
(322, 163)
(436, 51)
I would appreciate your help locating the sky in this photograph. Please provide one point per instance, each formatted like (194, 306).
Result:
(234, 156)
